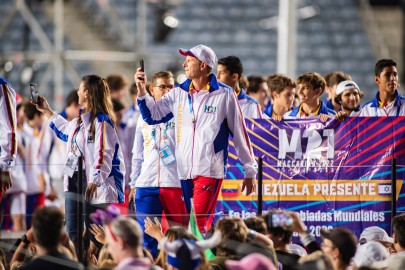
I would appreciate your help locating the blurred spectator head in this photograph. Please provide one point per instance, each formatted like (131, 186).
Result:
(72, 105)
(34, 117)
(398, 232)
(340, 243)
(257, 224)
(186, 253)
(48, 225)
(118, 84)
(369, 253)
(279, 235)
(119, 110)
(233, 231)
(172, 234)
(123, 235)
(374, 233)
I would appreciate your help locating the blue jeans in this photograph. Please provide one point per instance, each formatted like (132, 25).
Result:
(71, 207)
(71, 212)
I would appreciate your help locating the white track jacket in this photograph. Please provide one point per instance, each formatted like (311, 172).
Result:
(8, 126)
(148, 169)
(102, 155)
(203, 128)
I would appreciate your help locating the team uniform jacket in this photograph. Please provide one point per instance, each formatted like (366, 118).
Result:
(102, 154)
(202, 132)
(37, 148)
(126, 134)
(17, 172)
(295, 112)
(372, 108)
(148, 169)
(8, 126)
(249, 106)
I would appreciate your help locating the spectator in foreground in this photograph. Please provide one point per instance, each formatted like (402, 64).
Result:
(48, 232)
(124, 243)
(339, 243)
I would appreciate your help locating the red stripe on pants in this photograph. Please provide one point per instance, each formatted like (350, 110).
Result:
(205, 196)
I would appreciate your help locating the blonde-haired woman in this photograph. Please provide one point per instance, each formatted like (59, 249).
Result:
(91, 135)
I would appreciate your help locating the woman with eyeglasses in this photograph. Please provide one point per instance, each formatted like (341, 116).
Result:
(93, 137)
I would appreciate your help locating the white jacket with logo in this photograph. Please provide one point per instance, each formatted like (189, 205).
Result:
(148, 169)
(202, 145)
(103, 157)
(250, 107)
(8, 126)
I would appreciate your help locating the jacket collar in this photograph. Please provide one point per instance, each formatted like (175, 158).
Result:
(397, 101)
(213, 84)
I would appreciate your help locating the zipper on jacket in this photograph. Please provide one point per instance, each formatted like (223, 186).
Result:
(194, 129)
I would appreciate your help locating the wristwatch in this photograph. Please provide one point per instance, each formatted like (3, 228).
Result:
(25, 240)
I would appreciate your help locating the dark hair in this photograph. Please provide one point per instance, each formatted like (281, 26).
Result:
(48, 224)
(117, 105)
(398, 227)
(133, 90)
(335, 77)
(381, 64)
(99, 99)
(116, 82)
(278, 82)
(285, 235)
(313, 79)
(254, 83)
(72, 97)
(30, 111)
(257, 224)
(232, 64)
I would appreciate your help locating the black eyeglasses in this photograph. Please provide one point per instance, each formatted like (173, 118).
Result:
(165, 87)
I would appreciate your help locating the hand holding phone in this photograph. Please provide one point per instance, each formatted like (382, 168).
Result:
(34, 93)
(142, 65)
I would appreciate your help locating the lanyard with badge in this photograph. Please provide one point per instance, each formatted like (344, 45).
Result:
(165, 153)
(73, 155)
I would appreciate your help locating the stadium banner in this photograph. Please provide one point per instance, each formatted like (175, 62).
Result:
(332, 174)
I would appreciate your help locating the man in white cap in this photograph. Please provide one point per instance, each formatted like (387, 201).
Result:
(348, 96)
(206, 112)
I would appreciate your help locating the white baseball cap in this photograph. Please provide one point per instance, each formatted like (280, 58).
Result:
(370, 253)
(374, 233)
(345, 85)
(202, 53)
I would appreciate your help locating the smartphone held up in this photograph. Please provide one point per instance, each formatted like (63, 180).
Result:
(142, 65)
(34, 93)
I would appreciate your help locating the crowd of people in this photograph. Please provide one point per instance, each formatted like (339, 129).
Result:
(164, 157)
